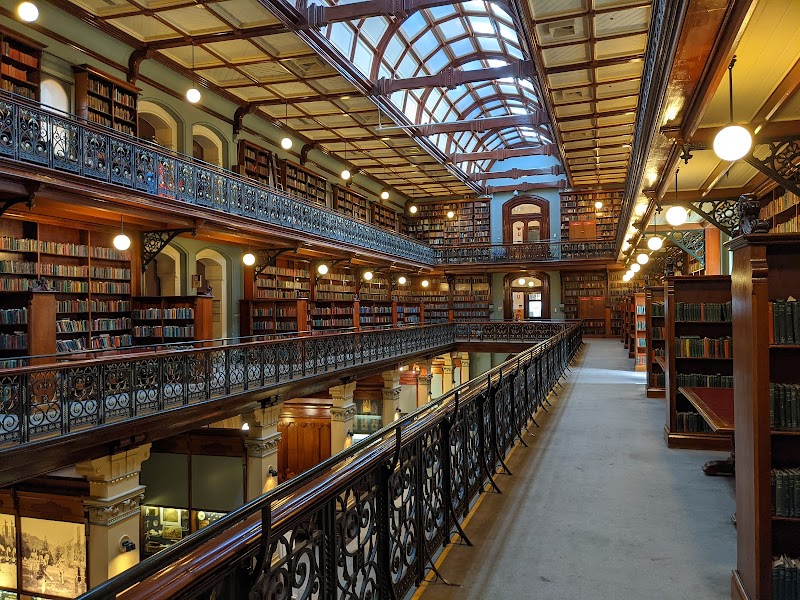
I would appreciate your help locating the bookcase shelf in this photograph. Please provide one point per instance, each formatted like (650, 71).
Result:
(580, 220)
(257, 163)
(383, 216)
(697, 353)
(766, 269)
(783, 208)
(640, 332)
(20, 64)
(268, 317)
(617, 290)
(471, 298)
(304, 183)
(584, 297)
(103, 99)
(654, 311)
(350, 203)
(167, 319)
(470, 223)
(435, 301)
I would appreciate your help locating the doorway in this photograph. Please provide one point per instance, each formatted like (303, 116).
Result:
(527, 296)
(526, 220)
(212, 269)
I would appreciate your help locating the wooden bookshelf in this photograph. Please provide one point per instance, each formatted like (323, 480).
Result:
(765, 269)
(471, 298)
(92, 282)
(640, 332)
(103, 99)
(630, 309)
(580, 220)
(257, 163)
(339, 284)
(783, 208)
(269, 317)
(304, 183)
(470, 223)
(20, 64)
(168, 319)
(286, 280)
(378, 289)
(584, 297)
(375, 313)
(617, 290)
(689, 307)
(409, 309)
(654, 311)
(435, 300)
(350, 203)
(383, 216)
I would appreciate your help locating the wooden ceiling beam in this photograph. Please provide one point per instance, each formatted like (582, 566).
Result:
(450, 78)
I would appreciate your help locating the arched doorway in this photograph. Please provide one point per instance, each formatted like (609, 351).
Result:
(207, 145)
(526, 296)
(212, 267)
(157, 125)
(163, 275)
(526, 220)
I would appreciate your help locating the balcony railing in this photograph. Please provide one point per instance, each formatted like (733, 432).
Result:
(34, 134)
(42, 136)
(522, 253)
(367, 522)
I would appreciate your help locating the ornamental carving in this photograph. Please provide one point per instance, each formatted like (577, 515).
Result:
(749, 208)
(341, 415)
(263, 447)
(106, 515)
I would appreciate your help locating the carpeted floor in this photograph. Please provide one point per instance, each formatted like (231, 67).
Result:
(598, 507)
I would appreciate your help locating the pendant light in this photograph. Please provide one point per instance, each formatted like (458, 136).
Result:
(286, 142)
(733, 141)
(249, 259)
(642, 259)
(368, 275)
(425, 283)
(28, 12)
(677, 215)
(122, 241)
(193, 94)
(655, 242)
(636, 267)
(598, 205)
(402, 280)
(345, 172)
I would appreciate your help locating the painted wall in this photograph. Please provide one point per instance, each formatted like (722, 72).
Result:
(496, 208)
(479, 363)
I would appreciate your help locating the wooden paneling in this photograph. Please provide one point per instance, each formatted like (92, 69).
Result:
(305, 428)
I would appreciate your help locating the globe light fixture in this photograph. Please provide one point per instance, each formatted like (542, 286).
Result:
(598, 205)
(626, 278)
(346, 174)
(521, 281)
(733, 141)
(286, 143)
(122, 241)
(655, 243)
(450, 214)
(249, 259)
(630, 274)
(676, 216)
(530, 284)
(322, 269)
(368, 275)
(413, 209)
(193, 94)
(245, 427)
(636, 267)
(385, 194)
(28, 12)
(425, 283)
(642, 259)
(402, 280)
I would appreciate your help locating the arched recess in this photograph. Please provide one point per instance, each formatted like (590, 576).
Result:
(164, 275)
(158, 124)
(207, 145)
(533, 300)
(213, 268)
(526, 219)
(54, 94)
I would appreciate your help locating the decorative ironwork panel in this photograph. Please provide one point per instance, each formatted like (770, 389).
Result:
(95, 155)
(433, 505)
(146, 385)
(44, 404)
(174, 380)
(11, 408)
(197, 375)
(166, 176)
(34, 136)
(8, 129)
(204, 184)
(81, 393)
(66, 140)
(220, 192)
(146, 179)
(403, 525)
(184, 185)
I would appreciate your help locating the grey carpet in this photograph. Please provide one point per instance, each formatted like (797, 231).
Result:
(598, 506)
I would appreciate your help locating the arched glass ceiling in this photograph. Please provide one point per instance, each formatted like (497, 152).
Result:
(469, 35)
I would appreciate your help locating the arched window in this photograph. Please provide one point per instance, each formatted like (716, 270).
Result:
(54, 94)
(157, 125)
(207, 145)
(526, 220)
(527, 296)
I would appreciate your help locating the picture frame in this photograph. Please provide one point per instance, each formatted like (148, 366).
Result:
(197, 281)
(170, 516)
(172, 532)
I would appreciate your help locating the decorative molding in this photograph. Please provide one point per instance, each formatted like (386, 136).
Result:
(108, 512)
(343, 414)
(263, 447)
(391, 394)
(748, 210)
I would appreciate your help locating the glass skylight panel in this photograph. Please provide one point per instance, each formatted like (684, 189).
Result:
(441, 12)
(438, 61)
(519, 110)
(408, 66)
(509, 90)
(515, 52)
(441, 142)
(452, 29)
(493, 62)
(481, 25)
(462, 47)
(426, 44)
(476, 6)
(411, 108)
(488, 44)
(413, 25)
(472, 65)
(499, 11)
(394, 50)
(363, 57)
(374, 28)
(441, 111)
(508, 33)
(342, 38)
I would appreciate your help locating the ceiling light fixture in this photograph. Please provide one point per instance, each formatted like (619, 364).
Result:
(521, 281)
(598, 205)
(530, 284)
(193, 94)
(28, 12)
(636, 267)
(286, 142)
(677, 215)
(626, 278)
(384, 194)
(655, 242)
(425, 283)
(450, 214)
(413, 209)
(322, 269)
(122, 241)
(368, 275)
(345, 172)
(733, 141)
(402, 280)
(249, 259)
(642, 259)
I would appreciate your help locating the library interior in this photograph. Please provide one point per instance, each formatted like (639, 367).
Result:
(387, 299)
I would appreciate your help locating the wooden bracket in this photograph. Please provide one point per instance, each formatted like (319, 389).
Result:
(135, 61)
(31, 188)
(239, 116)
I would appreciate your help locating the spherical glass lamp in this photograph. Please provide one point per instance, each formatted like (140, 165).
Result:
(655, 243)
(676, 216)
(249, 259)
(193, 95)
(642, 259)
(732, 142)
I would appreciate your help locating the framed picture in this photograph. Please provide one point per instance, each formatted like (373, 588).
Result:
(54, 557)
(197, 281)
(170, 516)
(8, 551)
(172, 532)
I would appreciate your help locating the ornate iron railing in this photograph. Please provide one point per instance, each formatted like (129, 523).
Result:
(367, 522)
(38, 402)
(42, 136)
(525, 332)
(521, 253)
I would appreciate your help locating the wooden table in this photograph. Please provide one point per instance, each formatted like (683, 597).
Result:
(715, 405)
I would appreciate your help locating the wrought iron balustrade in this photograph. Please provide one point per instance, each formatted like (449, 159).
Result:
(38, 402)
(510, 331)
(367, 522)
(522, 253)
(42, 136)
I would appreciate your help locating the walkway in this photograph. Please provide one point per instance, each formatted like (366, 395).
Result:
(598, 507)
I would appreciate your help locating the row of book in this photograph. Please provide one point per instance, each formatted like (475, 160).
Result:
(786, 492)
(15, 284)
(21, 90)
(111, 287)
(640, 309)
(70, 326)
(72, 345)
(13, 341)
(333, 310)
(335, 296)
(69, 286)
(8, 71)
(19, 55)
(657, 309)
(697, 347)
(154, 314)
(111, 341)
(785, 578)
(64, 270)
(13, 316)
(110, 273)
(266, 294)
(332, 322)
(784, 405)
(703, 380)
(287, 272)
(74, 306)
(379, 310)
(322, 287)
(691, 422)
(658, 380)
(19, 267)
(787, 200)
(164, 331)
(375, 320)
(111, 324)
(657, 333)
(641, 326)
(705, 311)
(281, 284)
(785, 322)
(274, 312)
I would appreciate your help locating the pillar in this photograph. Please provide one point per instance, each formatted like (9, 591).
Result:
(112, 509)
(262, 442)
(424, 383)
(437, 386)
(391, 395)
(343, 413)
(464, 367)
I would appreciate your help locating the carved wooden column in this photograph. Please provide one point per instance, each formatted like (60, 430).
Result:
(391, 395)
(464, 367)
(343, 413)
(424, 384)
(262, 444)
(112, 509)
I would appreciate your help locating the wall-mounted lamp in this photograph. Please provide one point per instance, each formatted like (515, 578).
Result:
(350, 433)
(126, 545)
(272, 472)
(397, 414)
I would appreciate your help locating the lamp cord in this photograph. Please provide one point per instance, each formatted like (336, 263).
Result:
(730, 86)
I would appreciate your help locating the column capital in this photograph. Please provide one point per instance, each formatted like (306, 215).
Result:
(106, 512)
(342, 394)
(391, 378)
(268, 416)
(424, 379)
(116, 467)
(263, 447)
(391, 394)
(343, 413)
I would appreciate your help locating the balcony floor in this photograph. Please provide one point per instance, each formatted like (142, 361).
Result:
(598, 506)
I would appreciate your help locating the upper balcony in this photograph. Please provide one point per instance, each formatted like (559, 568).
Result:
(64, 147)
